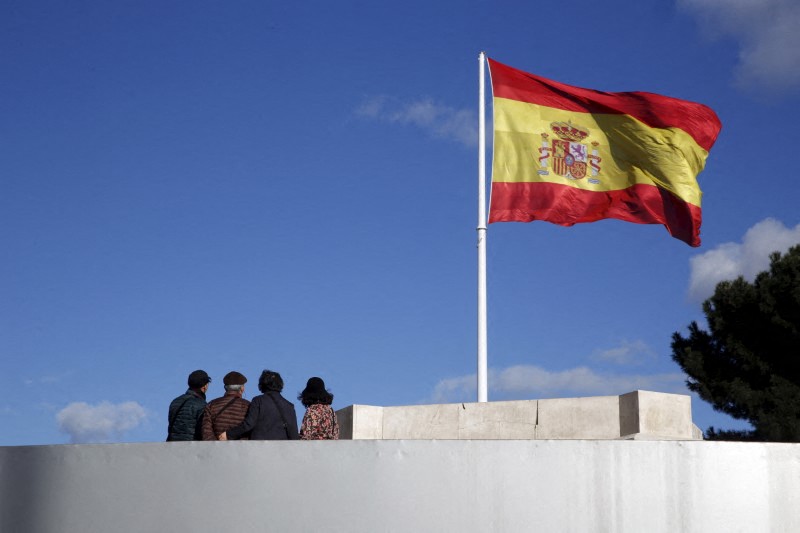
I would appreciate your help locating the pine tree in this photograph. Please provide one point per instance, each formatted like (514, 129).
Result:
(748, 362)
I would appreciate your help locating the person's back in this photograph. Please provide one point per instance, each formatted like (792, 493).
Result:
(319, 420)
(272, 418)
(186, 410)
(226, 412)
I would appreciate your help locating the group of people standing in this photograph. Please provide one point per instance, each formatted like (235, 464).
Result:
(268, 416)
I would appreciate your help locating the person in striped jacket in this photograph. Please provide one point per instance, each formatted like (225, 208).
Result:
(226, 412)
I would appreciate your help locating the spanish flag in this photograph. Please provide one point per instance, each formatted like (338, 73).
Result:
(567, 155)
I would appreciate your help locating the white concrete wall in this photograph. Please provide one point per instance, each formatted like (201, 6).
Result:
(402, 486)
(635, 415)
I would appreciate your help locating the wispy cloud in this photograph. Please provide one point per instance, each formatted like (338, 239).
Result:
(47, 379)
(627, 353)
(766, 30)
(457, 389)
(437, 120)
(99, 423)
(534, 382)
(731, 260)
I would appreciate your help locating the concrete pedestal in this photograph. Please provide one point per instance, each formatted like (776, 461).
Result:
(635, 415)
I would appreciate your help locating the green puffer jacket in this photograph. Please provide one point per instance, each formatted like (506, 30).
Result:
(184, 416)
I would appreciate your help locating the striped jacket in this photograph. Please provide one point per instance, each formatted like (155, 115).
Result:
(222, 414)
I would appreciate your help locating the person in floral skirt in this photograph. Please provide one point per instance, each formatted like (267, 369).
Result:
(319, 422)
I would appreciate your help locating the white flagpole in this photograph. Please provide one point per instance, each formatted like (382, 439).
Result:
(482, 337)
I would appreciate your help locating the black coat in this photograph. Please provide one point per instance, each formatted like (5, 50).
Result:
(264, 419)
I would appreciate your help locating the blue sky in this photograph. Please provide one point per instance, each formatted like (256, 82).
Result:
(293, 186)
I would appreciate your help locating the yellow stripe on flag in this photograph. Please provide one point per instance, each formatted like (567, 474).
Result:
(623, 150)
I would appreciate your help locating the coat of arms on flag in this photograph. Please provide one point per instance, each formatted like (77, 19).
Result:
(570, 157)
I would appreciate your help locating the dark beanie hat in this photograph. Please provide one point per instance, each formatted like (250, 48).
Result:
(234, 378)
(198, 378)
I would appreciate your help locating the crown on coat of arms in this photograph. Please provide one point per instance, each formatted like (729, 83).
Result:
(568, 132)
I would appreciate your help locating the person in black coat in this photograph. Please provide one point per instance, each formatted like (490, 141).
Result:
(270, 416)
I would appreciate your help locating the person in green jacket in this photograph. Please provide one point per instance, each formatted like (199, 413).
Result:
(186, 410)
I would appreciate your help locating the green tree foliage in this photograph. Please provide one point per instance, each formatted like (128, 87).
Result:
(748, 364)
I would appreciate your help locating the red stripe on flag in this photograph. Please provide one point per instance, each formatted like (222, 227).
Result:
(566, 206)
(655, 110)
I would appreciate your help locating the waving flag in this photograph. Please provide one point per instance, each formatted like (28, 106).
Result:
(567, 155)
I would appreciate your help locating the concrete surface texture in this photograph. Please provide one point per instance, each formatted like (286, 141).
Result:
(635, 415)
(400, 486)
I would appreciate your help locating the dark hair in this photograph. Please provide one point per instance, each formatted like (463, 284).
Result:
(270, 382)
(315, 393)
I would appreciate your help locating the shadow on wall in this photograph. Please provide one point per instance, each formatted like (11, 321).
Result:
(24, 486)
